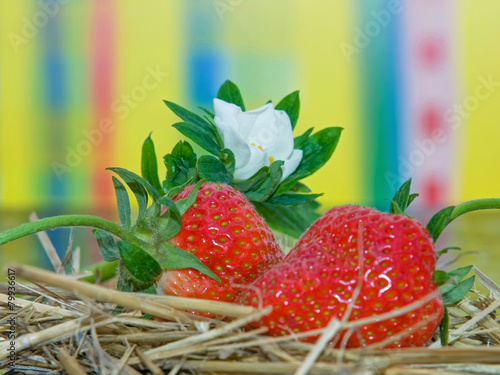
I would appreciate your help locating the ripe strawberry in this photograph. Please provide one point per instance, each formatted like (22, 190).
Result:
(317, 279)
(225, 232)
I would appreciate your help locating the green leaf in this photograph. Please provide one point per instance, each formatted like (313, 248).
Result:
(291, 105)
(192, 118)
(289, 220)
(401, 198)
(230, 93)
(289, 182)
(200, 136)
(269, 185)
(454, 278)
(446, 249)
(107, 245)
(173, 257)
(207, 112)
(300, 141)
(149, 164)
(317, 150)
(439, 221)
(212, 169)
(184, 204)
(122, 202)
(444, 328)
(200, 130)
(459, 292)
(138, 262)
(293, 199)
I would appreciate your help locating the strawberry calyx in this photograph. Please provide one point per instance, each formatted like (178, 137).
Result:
(286, 204)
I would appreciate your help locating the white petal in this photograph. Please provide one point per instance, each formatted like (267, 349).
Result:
(274, 134)
(258, 159)
(247, 121)
(226, 112)
(225, 121)
(291, 164)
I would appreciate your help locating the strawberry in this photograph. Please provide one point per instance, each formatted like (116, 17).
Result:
(225, 232)
(317, 279)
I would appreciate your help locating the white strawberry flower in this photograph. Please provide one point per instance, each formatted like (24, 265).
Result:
(257, 138)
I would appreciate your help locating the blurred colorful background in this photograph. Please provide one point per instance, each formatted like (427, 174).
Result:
(415, 85)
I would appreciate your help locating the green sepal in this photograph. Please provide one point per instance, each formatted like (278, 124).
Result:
(293, 199)
(122, 203)
(458, 292)
(292, 221)
(444, 328)
(411, 198)
(401, 199)
(140, 187)
(138, 262)
(439, 221)
(269, 185)
(107, 245)
(228, 161)
(452, 278)
(446, 249)
(181, 166)
(395, 209)
(149, 164)
(139, 191)
(252, 182)
(440, 277)
(317, 150)
(170, 222)
(177, 189)
(126, 282)
(212, 169)
(291, 105)
(230, 93)
(173, 257)
(184, 204)
(150, 290)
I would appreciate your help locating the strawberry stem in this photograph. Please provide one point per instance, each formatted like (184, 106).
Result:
(444, 217)
(475, 205)
(67, 221)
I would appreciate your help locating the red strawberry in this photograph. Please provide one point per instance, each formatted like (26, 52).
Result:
(225, 232)
(318, 277)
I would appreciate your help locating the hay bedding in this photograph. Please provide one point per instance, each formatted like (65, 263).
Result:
(67, 326)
